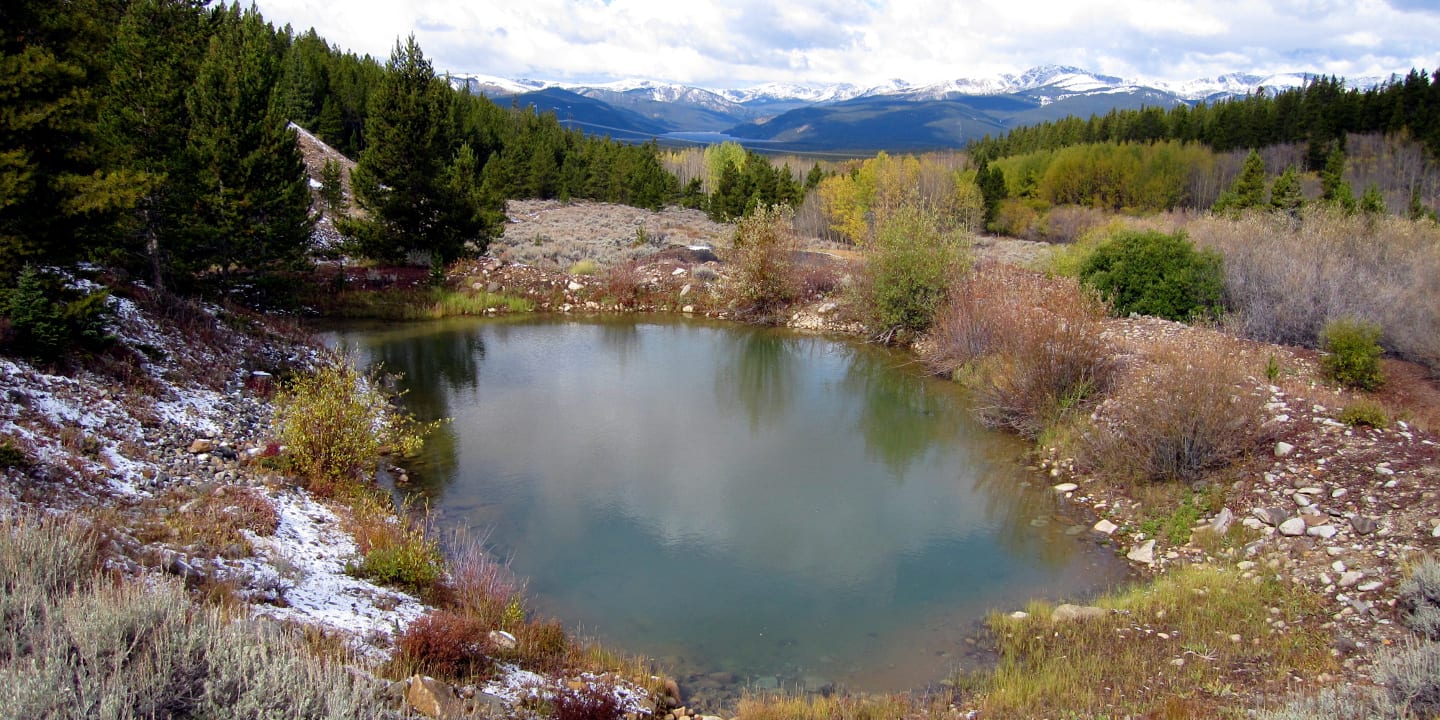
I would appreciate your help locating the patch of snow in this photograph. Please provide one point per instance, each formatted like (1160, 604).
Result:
(310, 540)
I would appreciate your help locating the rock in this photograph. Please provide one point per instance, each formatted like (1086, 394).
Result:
(1301, 499)
(1283, 449)
(1019, 615)
(1350, 577)
(685, 290)
(1292, 527)
(1271, 515)
(1372, 585)
(1322, 531)
(678, 272)
(502, 640)
(1245, 565)
(688, 309)
(1066, 487)
(201, 445)
(1068, 612)
(1105, 527)
(432, 698)
(1143, 553)
(573, 286)
(1220, 524)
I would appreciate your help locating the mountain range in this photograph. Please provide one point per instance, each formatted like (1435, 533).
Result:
(846, 118)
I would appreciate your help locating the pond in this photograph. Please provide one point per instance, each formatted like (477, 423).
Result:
(748, 506)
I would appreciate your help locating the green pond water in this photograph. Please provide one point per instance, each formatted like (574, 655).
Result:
(748, 506)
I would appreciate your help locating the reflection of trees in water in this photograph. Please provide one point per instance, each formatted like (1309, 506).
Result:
(432, 363)
(761, 374)
(621, 337)
(899, 417)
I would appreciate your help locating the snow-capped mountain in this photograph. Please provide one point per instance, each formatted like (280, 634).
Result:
(897, 112)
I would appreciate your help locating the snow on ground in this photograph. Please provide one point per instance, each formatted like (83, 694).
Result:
(311, 550)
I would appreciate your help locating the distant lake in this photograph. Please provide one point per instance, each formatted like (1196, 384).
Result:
(789, 509)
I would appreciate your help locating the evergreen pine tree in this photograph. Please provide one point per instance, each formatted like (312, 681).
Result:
(253, 198)
(1248, 191)
(991, 181)
(407, 180)
(332, 187)
(1286, 194)
(1372, 202)
(56, 196)
(1334, 190)
(153, 60)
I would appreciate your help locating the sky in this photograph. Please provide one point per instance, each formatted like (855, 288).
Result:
(743, 43)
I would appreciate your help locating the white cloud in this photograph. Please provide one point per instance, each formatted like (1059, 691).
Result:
(728, 43)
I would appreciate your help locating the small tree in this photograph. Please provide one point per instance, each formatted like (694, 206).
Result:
(764, 261)
(1285, 194)
(332, 187)
(1248, 192)
(1333, 187)
(1372, 202)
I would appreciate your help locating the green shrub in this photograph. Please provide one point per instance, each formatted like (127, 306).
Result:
(908, 267)
(335, 424)
(12, 456)
(395, 548)
(584, 267)
(1152, 273)
(1365, 412)
(1352, 353)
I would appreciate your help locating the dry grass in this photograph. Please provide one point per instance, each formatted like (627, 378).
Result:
(212, 519)
(396, 547)
(1029, 346)
(1285, 279)
(813, 707)
(1181, 416)
(1172, 648)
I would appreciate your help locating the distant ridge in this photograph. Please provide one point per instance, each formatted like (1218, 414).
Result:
(895, 115)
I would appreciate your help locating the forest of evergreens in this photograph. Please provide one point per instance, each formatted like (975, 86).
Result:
(153, 136)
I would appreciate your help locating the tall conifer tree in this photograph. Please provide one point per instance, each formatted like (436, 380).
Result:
(409, 180)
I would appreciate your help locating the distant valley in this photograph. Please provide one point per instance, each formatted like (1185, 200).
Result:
(844, 118)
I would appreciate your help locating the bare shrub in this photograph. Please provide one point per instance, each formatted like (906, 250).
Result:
(1067, 223)
(590, 702)
(1285, 279)
(445, 644)
(625, 284)
(1028, 345)
(764, 279)
(1187, 413)
(482, 586)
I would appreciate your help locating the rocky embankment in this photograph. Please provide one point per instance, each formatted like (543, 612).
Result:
(1337, 508)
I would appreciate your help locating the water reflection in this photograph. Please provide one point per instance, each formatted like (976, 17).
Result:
(814, 501)
(758, 373)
